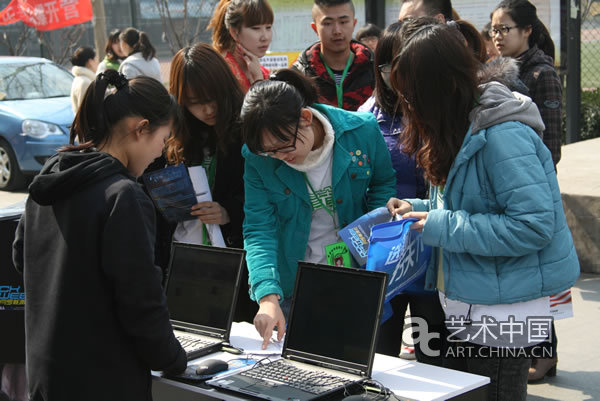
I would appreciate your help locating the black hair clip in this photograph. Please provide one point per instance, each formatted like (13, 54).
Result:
(114, 78)
(120, 81)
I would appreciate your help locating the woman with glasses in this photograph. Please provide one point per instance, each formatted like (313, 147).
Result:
(518, 32)
(494, 213)
(310, 170)
(410, 183)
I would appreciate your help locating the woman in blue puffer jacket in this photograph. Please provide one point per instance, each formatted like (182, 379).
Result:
(495, 211)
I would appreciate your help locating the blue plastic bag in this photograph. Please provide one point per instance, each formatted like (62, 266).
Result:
(356, 234)
(400, 252)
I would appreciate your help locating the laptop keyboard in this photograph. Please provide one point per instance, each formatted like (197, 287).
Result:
(191, 344)
(281, 372)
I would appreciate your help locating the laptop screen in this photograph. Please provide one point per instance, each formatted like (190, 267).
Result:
(202, 282)
(336, 313)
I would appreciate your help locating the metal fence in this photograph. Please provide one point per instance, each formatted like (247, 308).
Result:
(590, 45)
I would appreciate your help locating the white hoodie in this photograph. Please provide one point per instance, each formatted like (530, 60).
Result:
(136, 64)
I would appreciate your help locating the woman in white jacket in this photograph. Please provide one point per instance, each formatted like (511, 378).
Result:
(85, 63)
(140, 55)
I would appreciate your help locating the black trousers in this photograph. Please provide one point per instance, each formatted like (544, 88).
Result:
(424, 306)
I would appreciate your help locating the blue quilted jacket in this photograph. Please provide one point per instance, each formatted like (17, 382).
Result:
(502, 229)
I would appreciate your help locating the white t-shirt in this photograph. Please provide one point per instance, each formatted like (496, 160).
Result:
(521, 324)
(318, 170)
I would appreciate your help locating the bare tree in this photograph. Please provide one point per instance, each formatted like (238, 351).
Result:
(177, 17)
(69, 41)
(586, 8)
(22, 41)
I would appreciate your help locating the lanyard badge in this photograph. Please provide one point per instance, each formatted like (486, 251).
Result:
(339, 88)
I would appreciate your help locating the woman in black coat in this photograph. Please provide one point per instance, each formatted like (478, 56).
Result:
(95, 308)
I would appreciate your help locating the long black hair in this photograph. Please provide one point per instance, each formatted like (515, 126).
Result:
(436, 75)
(525, 14)
(274, 106)
(113, 37)
(386, 98)
(141, 96)
(205, 72)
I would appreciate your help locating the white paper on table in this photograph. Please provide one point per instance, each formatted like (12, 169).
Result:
(561, 305)
(190, 231)
(244, 335)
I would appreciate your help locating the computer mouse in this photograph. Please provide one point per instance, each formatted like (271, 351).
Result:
(211, 366)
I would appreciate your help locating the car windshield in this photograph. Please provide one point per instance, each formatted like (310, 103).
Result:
(33, 81)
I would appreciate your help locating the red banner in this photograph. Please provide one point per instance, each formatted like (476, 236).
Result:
(45, 15)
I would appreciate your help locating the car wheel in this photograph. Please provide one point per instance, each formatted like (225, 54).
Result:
(11, 177)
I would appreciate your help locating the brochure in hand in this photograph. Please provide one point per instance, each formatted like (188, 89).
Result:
(172, 191)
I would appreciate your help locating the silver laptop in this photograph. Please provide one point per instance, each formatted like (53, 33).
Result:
(202, 285)
(330, 340)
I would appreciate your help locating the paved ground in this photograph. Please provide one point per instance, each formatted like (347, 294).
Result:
(10, 198)
(578, 376)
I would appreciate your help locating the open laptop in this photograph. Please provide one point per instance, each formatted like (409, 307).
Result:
(202, 285)
(330, 339)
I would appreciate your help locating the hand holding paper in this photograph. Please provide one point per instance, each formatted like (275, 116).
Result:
(210, 213)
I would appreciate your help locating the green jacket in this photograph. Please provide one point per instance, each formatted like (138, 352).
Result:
(278, 210)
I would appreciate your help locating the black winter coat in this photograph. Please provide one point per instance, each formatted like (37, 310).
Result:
(95, 313)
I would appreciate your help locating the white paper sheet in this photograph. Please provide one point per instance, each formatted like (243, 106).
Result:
(191, 231)
(244, 335)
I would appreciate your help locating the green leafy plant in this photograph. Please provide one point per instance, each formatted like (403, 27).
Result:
(589, 117)
(590, 114)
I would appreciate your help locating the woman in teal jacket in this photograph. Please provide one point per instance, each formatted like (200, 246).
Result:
(495, 213)
(310, 170)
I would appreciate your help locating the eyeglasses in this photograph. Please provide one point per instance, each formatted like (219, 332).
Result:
(504, 30)
(283, 149)
(385, 68)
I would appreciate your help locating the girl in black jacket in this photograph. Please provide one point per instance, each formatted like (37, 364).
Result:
(95, 307)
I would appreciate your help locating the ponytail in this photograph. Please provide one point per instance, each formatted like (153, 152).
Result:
(541, 37)
(525, 14)
(98, 114)
(305, 86)
(274, 106)
(221, 39)
(145, 47)
(90, 126)
(139, 42)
